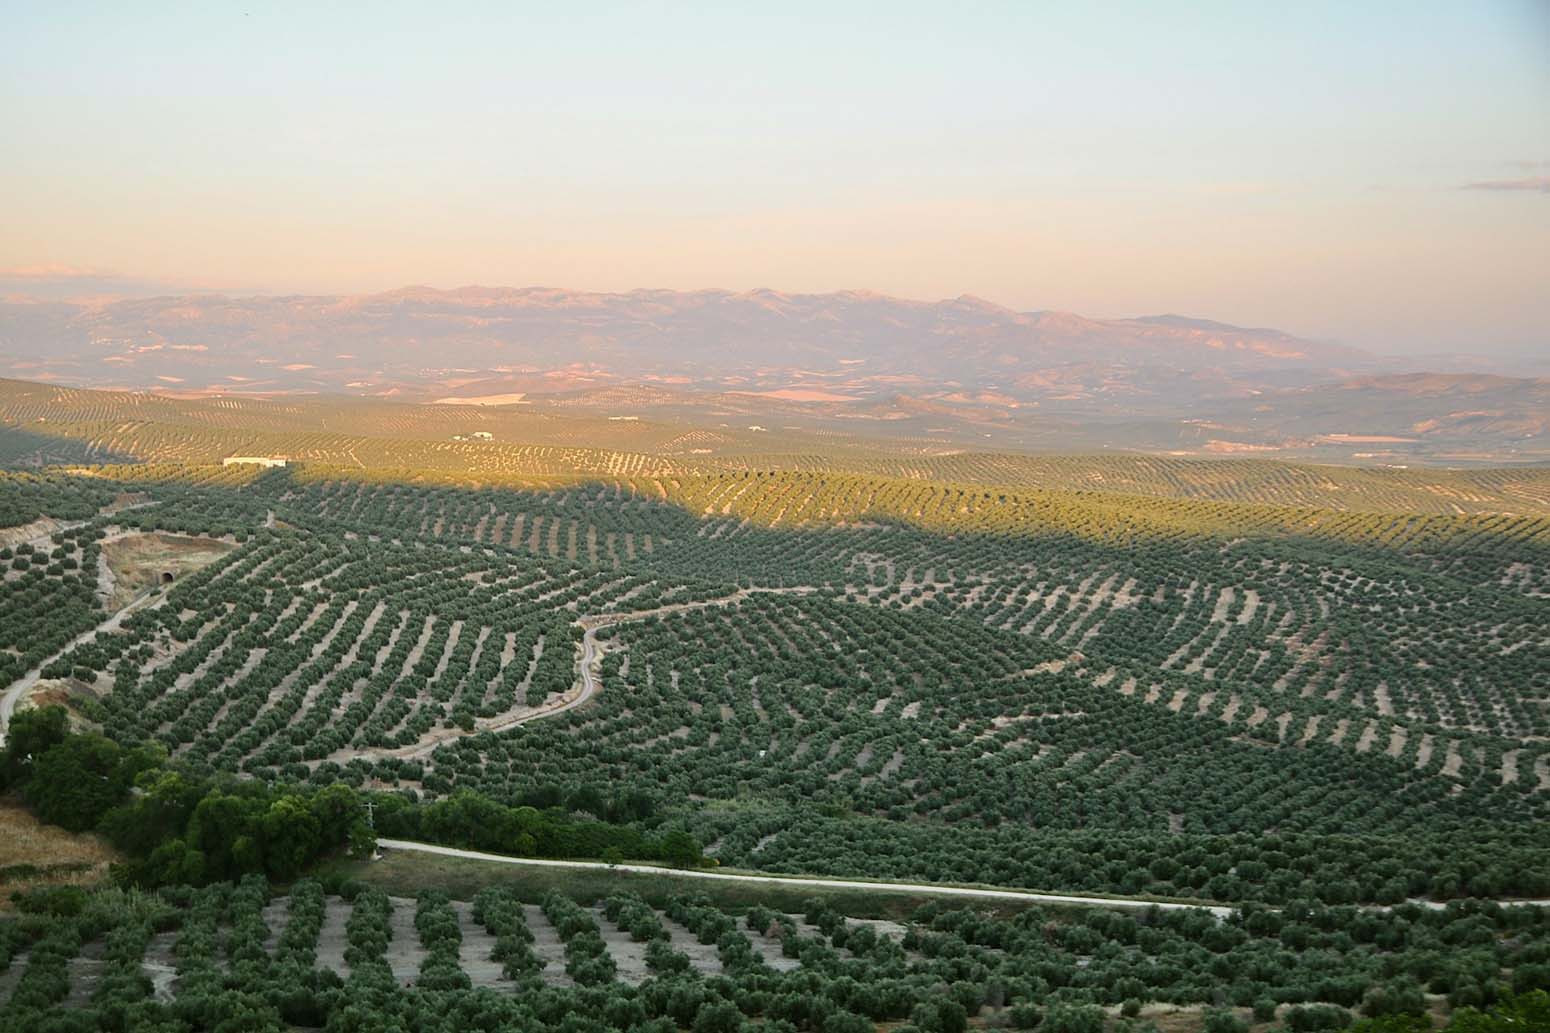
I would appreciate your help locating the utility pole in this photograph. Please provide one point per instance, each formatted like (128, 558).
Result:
(371, 823)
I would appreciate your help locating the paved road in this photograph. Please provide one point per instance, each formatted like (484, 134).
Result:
(929, 889)
(919, 888)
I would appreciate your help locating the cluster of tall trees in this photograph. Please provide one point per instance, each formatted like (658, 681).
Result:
(173, 825)
(179, 826)
(474, 821)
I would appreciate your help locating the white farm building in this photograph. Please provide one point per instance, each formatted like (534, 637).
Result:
(252, 461)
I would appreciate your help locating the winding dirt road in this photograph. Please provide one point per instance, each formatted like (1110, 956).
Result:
(587, 686)
(588, 681)
(23, 685)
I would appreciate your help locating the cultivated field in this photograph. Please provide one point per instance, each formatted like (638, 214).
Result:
(1311, 694)
(289, 956)
(1227, 679)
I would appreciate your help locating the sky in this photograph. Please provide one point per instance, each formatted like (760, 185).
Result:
(1373, 173)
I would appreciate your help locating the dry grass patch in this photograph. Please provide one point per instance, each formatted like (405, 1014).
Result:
(35, 854)
(61, 692)
(139, 561)
(39, 528)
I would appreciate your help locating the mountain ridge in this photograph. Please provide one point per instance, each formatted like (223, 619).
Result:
(719, 335)
(947, 373)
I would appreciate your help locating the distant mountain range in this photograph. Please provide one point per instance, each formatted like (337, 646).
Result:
(851, 344)
(963, 368)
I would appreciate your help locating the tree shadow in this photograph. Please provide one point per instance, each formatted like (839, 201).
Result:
(25, 448)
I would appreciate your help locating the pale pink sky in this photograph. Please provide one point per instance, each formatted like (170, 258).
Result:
(1379, 176)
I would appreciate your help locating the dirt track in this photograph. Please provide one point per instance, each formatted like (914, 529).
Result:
(925, 888)
(587, 684)
(19, 688)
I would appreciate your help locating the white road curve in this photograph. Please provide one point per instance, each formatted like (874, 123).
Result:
(929, 889)
(23, 685)
(588, 681)
(13, 695)
(588, 686)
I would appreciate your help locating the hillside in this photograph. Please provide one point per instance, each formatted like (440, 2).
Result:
(42, 424)
(1300, 694)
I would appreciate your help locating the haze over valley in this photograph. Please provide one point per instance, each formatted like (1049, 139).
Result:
(949, 374)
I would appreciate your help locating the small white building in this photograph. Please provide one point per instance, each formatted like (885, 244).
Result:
(482, 435)
(252, 461)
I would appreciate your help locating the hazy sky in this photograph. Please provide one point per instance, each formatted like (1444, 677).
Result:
(1373, 172)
